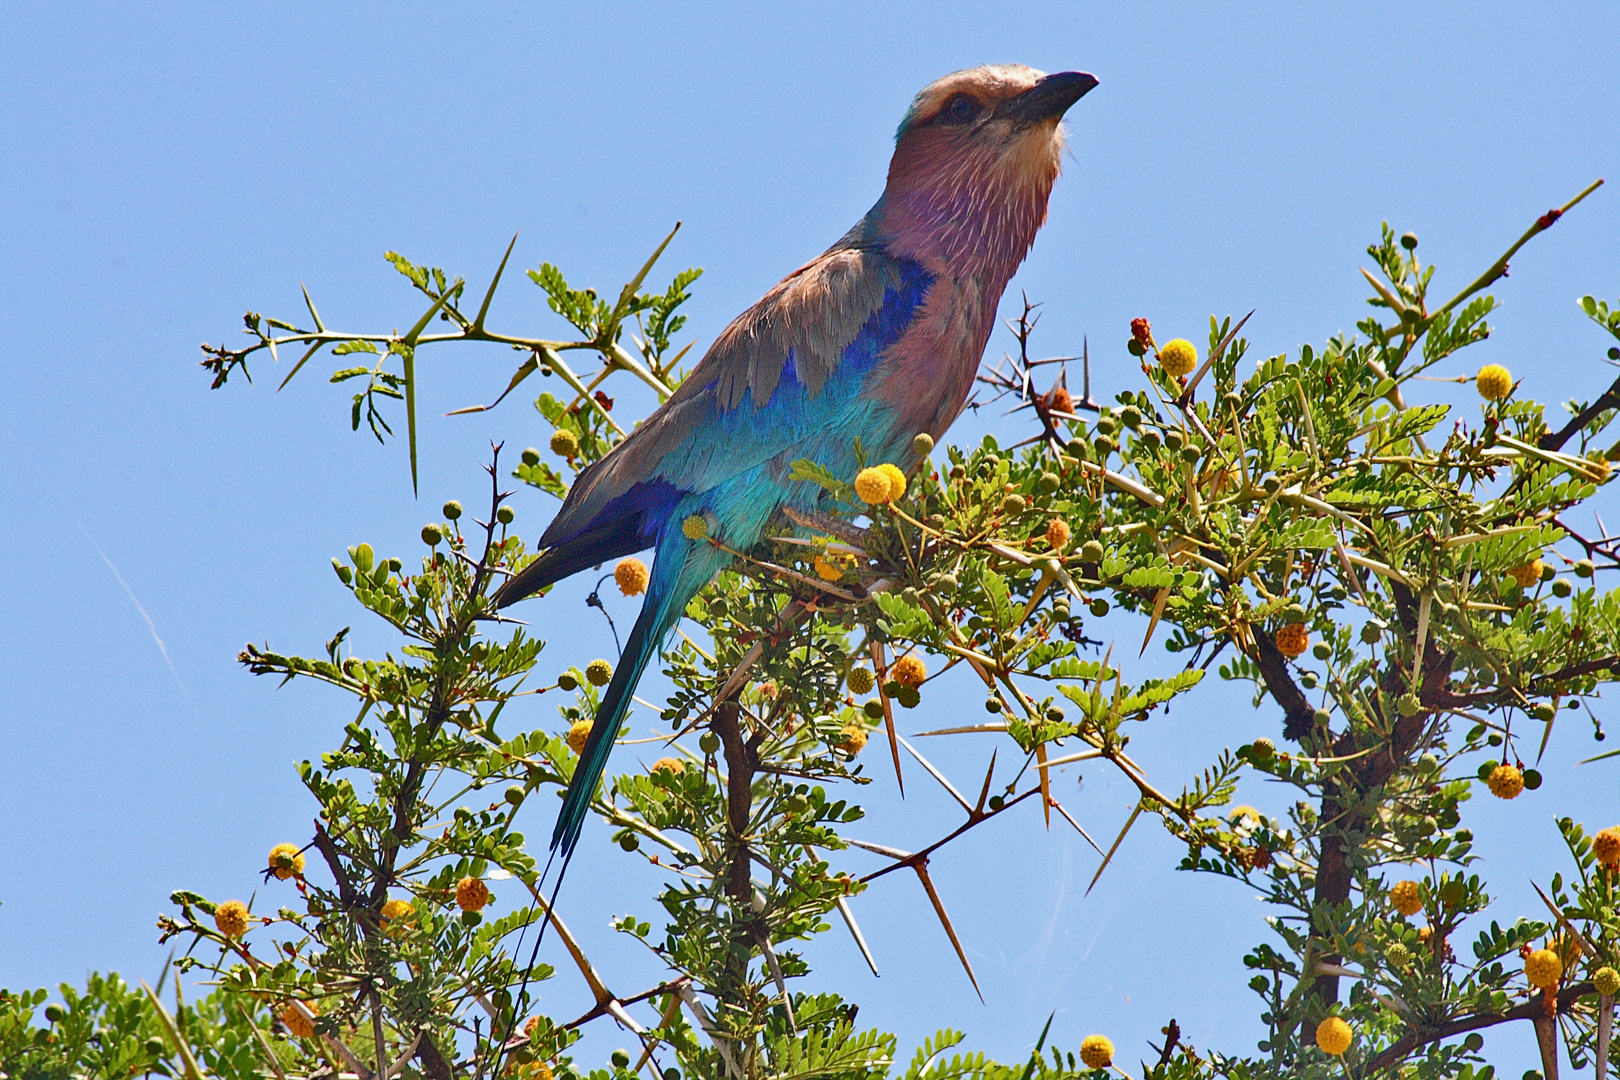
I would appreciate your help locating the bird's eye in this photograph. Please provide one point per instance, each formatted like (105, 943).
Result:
(960, 109)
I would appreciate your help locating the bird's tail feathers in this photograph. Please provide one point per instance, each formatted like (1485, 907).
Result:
(612, 540)
(638, 649)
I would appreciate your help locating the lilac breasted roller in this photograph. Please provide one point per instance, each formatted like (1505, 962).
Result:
(878, 338)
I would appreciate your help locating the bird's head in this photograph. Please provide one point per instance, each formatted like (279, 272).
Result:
(974, 162)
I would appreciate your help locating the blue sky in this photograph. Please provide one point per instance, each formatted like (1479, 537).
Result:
(168, 167)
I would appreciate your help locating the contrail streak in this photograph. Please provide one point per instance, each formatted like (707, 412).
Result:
(150, 625)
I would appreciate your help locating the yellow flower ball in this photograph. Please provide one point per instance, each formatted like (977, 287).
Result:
(909, 671)
(564, 443)
(1528, 574)
(297, 1023)
(1407, 896)
(398, 913)
(1178, 357)
(577, 734)
(1333, 1036)
(854, 739)
(232, 918)
(1097, 1051)
(695, 527)
(1606, 846)
(286, 861)
(897, 481)
(861, 680)
(1058, 534)
(471, 894)
(1505, 782)
(631, 576)
(669, 764)
(826, 571)
(1543, 969)
(530, 1025)
(1607, 981)
(1293, 640)
(599, 672)
(1493, 382)
(874, 486)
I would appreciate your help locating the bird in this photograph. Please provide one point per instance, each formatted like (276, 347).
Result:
(877, 339)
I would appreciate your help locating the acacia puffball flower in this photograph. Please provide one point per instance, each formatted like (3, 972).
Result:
(1528, 574)
(861, 680)
(1178, 357)
(897, 480)
(232, 918)
(669, 764)
(1494, 382)
(1333, 1036)
(564, 443)
(1505, 781)
(695, 527)
(631, 576)
(599, 672)
(1543, 969)
(577, 734)
(1097, 1051)
(875, 486)
(286, 861)
(1407, 896)
(396, 914)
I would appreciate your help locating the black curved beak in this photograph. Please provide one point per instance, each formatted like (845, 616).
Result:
(1050, 98)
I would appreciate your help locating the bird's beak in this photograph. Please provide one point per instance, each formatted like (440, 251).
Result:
(1048, 99)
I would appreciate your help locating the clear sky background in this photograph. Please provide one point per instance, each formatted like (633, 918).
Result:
(167, 167)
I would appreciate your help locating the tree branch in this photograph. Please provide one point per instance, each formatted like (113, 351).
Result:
(1397, 1052)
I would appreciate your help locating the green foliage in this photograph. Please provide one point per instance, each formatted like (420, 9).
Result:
(1300, 490)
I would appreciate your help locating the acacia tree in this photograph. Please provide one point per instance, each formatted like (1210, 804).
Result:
(1396, 579)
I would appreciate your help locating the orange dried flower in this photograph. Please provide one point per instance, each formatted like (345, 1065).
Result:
(631, 576)
(909, 671)
(1293, 639)
(1142, 331)
(471, 894)
(1606, 846)
(1060, 400)
(1058, 534)
(854, 739)
(669, 764)
(295, 1020)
